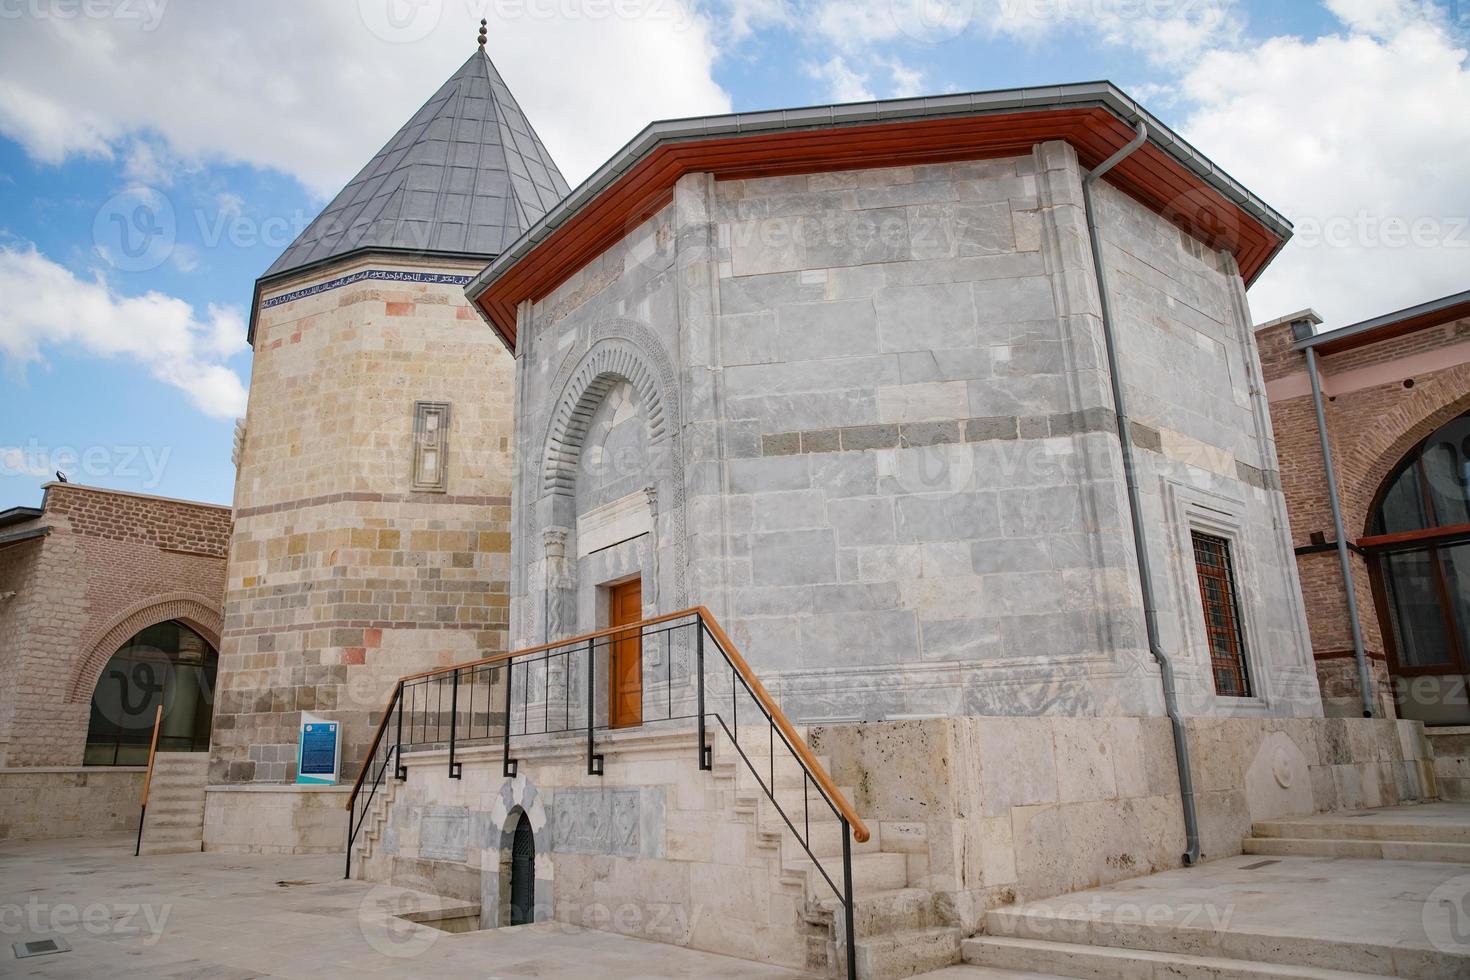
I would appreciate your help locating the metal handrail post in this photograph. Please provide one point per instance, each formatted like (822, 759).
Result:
(400, 771)
(847, 899)
(454, 767)
(705, 761)
(594, 761)
(508, 766)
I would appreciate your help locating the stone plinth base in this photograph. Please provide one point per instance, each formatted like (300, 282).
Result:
(1002, 810)
(69, 801)
(275, 819)
(1451, 761)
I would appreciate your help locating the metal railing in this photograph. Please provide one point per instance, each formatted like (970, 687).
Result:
(689, 670)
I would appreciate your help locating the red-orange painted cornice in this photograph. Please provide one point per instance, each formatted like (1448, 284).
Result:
(1166, 173)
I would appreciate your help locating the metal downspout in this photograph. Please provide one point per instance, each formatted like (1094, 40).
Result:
(1343, 560)
(1135, 508)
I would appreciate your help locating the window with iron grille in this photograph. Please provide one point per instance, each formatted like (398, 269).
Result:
(1222, 615)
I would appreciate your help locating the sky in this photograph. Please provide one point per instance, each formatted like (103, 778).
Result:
(157, 155)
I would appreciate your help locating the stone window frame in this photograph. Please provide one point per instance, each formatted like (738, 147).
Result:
(1195, 509)
(423, 411)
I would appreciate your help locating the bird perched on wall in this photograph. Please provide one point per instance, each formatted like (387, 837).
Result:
(61, 477)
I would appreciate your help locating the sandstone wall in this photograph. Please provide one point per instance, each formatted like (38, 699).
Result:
(342, 576)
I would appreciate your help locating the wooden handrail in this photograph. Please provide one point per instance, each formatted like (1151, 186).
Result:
(148, 779)
(152, 752)
(778, 717)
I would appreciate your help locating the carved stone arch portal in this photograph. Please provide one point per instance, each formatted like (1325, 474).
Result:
(615, 351)
(608, 362)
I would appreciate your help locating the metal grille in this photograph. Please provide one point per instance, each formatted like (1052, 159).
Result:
(1222, 615)
(522, 873)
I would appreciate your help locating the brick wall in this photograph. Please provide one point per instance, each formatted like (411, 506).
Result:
(1379, 401)
(112, 564)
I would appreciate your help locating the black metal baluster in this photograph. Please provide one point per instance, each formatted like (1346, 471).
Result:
(454, 767)
(594, 761)
(400, 771)
(705, 762)
(508, 766)
(847, 898)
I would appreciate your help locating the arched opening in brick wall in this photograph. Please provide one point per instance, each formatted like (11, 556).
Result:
(166, 664)
(1418, 546)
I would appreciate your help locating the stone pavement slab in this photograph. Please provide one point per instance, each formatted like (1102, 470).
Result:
(227, 916)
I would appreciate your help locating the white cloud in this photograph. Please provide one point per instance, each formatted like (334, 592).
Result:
(314, 89)
(46, 307)
(843, 84)
(1361, 139)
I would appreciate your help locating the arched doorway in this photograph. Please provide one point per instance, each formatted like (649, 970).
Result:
(1419, 545)
(166, 664)
(522, 873)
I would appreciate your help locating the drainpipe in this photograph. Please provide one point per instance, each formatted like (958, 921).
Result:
(1343, 560)
(1135, 508)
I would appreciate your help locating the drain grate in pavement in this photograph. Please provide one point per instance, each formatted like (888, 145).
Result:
(1258, 865)
(39, 947)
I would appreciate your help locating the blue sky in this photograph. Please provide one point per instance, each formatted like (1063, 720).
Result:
(156, 156)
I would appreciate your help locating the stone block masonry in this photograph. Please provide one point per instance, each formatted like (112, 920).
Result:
(342, 577)
(894, 472)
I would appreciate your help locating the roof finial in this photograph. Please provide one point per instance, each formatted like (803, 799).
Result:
(484, 33)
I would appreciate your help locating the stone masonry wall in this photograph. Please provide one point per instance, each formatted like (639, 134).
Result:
(112, 564)
(342, 577)
(1379, 400)
(895, 473)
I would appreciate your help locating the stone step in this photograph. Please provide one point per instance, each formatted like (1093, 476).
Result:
(1077, 960)
(171, 847)
(1206, 938)
(1364, 825)
(156, 821)
(964, 971)
(792, 803)
(870, 873)
(175, 797)
(159, 836)
(1386, 850)
(904, 954)
(877, 913)
(823, 838)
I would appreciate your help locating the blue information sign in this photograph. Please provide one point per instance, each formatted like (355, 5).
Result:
(317, 762)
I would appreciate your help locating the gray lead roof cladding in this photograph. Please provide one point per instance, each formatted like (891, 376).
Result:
(467, 174)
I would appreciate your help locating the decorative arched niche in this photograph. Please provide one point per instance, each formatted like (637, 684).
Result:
(622, 374)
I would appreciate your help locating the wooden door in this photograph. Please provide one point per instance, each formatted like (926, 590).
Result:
(625, 665)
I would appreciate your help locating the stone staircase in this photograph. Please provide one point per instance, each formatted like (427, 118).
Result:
(1400, 834)
(377, 818)
(897, 931)
(174, 821)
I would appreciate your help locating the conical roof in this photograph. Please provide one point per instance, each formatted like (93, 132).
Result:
(466, 175)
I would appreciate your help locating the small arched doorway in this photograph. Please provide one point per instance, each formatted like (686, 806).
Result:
(1419, 544)
(522, 873)
(165, 664)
